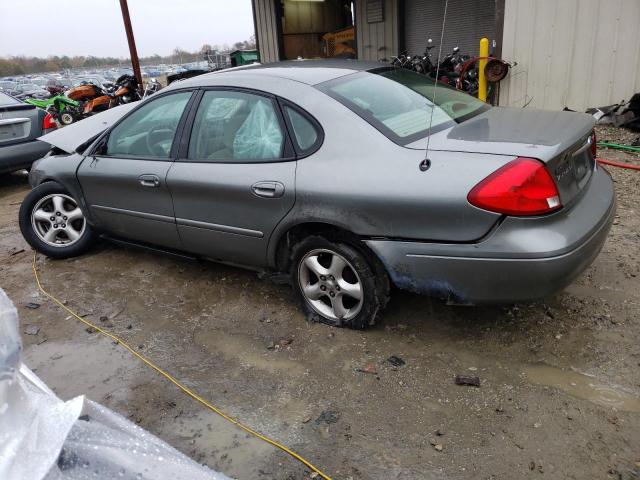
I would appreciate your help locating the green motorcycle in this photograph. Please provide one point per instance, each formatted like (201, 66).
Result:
(65, 110)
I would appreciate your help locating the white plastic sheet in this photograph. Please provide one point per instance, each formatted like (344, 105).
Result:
(45, 438)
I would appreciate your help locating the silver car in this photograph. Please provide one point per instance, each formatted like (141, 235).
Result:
(320, 170)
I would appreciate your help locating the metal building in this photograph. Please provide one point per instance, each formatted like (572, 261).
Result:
(569, 53)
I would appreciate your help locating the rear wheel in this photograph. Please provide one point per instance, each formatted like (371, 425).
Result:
(52, 223)
(337, 284)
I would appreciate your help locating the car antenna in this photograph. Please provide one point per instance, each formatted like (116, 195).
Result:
(426, 163)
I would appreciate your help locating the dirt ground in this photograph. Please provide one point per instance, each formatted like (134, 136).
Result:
(560, 381)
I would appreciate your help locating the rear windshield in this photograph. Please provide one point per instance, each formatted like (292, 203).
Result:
(8, 100)
(399, 102)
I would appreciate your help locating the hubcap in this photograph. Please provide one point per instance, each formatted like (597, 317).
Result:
(57, 220)
(330, 284)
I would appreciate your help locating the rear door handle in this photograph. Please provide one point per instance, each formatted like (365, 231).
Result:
(268, 189)
(149, 180)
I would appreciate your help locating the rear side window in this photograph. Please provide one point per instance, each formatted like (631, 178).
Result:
(235, 126)
(150, 130)
(305, 133)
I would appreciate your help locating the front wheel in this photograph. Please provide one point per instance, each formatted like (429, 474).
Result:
(337, 283)
(66, 118)
(53, 224)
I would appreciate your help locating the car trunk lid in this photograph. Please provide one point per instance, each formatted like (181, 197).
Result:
(561, 140)
(18, 123)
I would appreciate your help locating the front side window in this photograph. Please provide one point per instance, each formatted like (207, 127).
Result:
(400, 103)
(150, 130)
(235, 126)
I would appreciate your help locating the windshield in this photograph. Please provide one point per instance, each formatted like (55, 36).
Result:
(400, 104)
(7, 85)
(27, 87)
(8, 100)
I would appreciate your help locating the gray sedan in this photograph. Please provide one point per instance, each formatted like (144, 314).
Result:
(20, 126)
(347, 176)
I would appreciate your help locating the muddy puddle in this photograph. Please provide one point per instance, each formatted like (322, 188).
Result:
(81, 365)
(583, 386)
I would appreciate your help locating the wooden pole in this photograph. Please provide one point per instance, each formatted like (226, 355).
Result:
(135, 63)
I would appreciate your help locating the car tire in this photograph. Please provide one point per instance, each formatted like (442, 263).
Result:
(338, 283)
(68, 235)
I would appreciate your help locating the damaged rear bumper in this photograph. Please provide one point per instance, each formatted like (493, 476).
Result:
(523, 259)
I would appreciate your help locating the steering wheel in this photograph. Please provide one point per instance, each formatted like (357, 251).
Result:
(153, 146)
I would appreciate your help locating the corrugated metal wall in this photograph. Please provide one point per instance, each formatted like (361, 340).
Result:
(467, 22)
(266, 30)
(571, 53)
(377, 40)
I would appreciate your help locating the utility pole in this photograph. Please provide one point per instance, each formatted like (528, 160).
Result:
(132, 43)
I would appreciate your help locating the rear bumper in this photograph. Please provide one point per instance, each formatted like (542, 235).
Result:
(523, 259)
(21, 155)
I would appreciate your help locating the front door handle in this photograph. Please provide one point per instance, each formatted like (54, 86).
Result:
(149, 180)
(268, 189)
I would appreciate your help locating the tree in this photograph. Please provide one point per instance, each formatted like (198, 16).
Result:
(51, 66)
(179, 53)
(20, 65)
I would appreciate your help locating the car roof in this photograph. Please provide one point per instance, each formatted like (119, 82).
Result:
(311, 72)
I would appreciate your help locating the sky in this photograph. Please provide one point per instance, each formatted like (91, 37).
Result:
(94, 27)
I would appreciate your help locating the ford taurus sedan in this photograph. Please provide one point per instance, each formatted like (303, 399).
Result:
(321, 170)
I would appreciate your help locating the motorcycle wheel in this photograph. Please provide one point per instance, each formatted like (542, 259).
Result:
(66, 118)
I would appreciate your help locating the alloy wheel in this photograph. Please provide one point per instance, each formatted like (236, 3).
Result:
(330, 284)
(57, 220)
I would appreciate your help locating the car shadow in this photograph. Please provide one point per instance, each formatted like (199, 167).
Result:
(430, 318)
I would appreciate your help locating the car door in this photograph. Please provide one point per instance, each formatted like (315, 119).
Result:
(125, 181)
(234, 178)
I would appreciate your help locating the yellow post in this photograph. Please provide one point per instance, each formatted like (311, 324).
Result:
(482, 79)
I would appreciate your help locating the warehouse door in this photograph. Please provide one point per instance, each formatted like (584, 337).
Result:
(467, 22)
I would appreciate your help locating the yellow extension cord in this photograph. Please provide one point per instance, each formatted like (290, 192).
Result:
(166, 375)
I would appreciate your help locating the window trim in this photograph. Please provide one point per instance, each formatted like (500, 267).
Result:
(101, 142)
(300, 152)
(288, 152)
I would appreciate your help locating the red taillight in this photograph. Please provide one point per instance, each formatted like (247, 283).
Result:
(594, 146)
(521, 187)
(49, 122)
